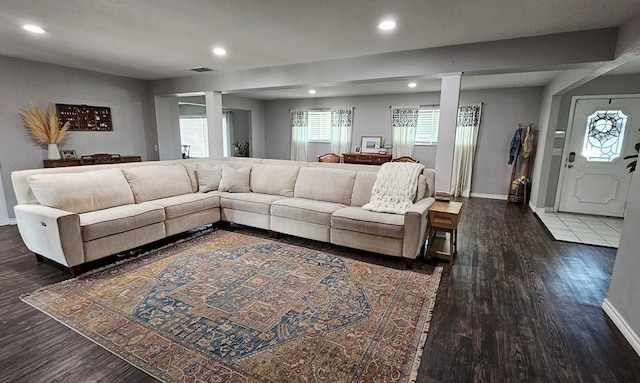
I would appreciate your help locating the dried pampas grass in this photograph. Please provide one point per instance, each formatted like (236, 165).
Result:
(44, 129)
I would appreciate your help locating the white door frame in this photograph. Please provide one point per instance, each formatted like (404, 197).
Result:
(567, 137)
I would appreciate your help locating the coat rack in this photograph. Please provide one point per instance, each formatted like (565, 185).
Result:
(522, 146)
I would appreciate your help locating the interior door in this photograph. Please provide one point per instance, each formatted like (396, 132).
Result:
(596, 180)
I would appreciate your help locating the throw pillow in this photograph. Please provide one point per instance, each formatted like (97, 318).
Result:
(208, 177)
(235, 181)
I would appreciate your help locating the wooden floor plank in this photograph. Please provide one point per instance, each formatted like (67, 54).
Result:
(516, 306)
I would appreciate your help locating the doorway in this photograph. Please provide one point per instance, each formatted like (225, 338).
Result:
(601, 132)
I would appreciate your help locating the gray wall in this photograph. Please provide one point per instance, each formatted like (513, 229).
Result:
(606, 85)
(23, 82)
(257, 115)
(241, 130)
(503, 109)
(624, 289)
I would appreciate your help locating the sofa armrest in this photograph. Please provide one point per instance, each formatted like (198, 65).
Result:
(416, 222)
(52, 233)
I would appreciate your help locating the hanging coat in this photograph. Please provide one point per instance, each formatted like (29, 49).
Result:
(514, 148)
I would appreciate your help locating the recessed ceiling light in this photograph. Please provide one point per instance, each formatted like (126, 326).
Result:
(387, 25)
(219, 51)
(33, 28)
(412, 85)
(312, 91)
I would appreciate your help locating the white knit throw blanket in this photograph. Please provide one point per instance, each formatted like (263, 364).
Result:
(395, 187)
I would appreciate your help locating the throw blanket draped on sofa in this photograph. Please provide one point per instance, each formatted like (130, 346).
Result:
(395, 187)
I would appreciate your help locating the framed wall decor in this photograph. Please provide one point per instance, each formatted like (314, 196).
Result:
(370, 144)
(85, 117)
(68, 154)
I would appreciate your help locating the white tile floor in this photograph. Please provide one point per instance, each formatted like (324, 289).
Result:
(587, 229)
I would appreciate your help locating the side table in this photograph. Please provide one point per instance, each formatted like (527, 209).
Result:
(443, 218)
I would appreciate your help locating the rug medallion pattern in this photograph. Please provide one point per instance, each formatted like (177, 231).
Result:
(232, 307)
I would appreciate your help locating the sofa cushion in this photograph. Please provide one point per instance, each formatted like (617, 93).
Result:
(274, 179)
(101, 223)
(82, 192)
(251, 202)
(155, 182)
(185, 204)
(306, 210)
(325, 184)
(235, 180)
(364, 221)
(362, 188)
(209, 177)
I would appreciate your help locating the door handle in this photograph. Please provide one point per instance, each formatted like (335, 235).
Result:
(570, 166)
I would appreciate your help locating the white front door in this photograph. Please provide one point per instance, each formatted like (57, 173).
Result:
(596, 178)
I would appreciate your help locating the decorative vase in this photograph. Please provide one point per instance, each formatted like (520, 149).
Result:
(54, 153)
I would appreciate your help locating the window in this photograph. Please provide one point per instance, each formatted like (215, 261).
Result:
(428, 122)
(193, 132)
(319, 126)
(604, 135)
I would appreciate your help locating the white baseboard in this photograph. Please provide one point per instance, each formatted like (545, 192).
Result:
(489, 196)
(622, 325)
(12, 221)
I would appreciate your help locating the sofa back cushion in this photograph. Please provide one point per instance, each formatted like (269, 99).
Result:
(362, 188)
(325, 184)
(274, 179)
(155, 182)
(82, 192)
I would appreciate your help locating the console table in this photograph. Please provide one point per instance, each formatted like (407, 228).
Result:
(443, 217)
(90, 160)
(366, 158)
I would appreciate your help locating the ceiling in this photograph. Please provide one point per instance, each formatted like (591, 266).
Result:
(157, 39)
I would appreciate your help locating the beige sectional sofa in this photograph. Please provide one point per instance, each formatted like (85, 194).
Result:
(74, 215)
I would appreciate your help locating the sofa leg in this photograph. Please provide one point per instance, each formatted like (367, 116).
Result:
(273, 234)
(39, 258)
(408, 262)
(75, 270)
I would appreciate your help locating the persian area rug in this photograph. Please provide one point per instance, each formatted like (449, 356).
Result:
(234, 307)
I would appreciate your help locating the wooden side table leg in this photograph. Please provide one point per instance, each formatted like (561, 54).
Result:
(452, 243)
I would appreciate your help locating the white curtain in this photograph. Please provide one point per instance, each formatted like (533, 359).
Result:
(341, 128)
(299, 135)
(465, 148)
(404, 123)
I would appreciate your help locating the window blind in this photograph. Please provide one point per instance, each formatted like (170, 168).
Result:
(319, 126)
(428, 122)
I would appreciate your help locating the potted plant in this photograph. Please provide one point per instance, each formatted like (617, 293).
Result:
(45, 129)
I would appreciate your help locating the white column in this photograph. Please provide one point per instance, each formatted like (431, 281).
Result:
(449, 97)
(214, 123)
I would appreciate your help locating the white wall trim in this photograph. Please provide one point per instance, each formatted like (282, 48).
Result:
(12, 221)
(489, 196)
(622, 325)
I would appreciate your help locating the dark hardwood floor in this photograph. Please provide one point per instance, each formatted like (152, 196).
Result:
(515, 307)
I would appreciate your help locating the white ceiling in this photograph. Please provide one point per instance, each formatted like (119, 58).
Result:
(155, 39)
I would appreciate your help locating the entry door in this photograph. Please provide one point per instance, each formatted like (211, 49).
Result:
(596, 179)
